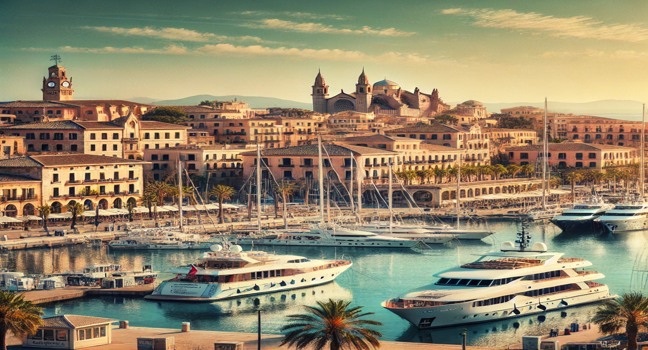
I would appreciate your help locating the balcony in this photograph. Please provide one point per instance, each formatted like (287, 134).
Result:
(307, 165)
(90, 181)
(130, 139)
(286, 165)
(72, 182)
(18, 198)
(235, 133)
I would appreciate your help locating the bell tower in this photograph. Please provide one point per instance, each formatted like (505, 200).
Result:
(57, 86)
(363, 93)
(320, 94)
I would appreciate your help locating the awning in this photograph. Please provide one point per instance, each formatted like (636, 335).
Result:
(169, 208)
(8, 220)
(60, 215)
(29, 217)
(118, 211)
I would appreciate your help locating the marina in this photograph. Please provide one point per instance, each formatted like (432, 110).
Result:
(374, 277)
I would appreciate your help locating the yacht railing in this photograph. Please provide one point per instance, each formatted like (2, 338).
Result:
(503, 264)
(568, 260)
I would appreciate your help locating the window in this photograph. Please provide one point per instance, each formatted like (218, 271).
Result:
(156, 136)
(165, 157)
(177, 135)
(579, 156)
(147, 136)
(104, 147)
(114, 147)
(93, 136)
(446, 136)
(55, 178)
(58, 136)
(562, 155)
(191, 157)
(591, 156)
(592, 164)
(115, 136)
(167, 135)
(72, 136)
(579, 164)
(524, 156)
(44, 136)
(45, 147)
(104, 136)
(154, 157)
(191, 166)
(59, 148)
(73, 148)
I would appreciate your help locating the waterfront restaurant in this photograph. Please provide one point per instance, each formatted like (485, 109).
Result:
(71, 332)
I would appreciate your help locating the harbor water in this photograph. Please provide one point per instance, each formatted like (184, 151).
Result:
(376, 275)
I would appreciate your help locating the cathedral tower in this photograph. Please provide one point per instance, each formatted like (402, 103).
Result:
(363, 93)
(57, 86)
(320, 94)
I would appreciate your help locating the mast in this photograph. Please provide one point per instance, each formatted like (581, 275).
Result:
(359, 201)
(458, 193)
(258, 188)
(320, 170)
(351, 184)
(545, 151)
(391, 199)
(643, 151)
(180, 192)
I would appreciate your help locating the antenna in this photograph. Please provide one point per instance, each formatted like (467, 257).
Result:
(56, 58)
(523, 237)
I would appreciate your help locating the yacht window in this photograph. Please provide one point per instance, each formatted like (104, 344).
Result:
(443, 281)
(484, 283)
(278, 273)
(272, 273)
(304, 260)
(496, 282)
(463, 282)
(474, 282)
(453, 281)
(265, 274)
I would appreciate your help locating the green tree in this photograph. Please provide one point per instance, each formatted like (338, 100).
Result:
(512, 122)
(513, 170)
(446, 119)
(17, 316)
(285, 189)
(76, 209)
(573, 178)
(130, 206)
(332, 325)
(499, 170)
(439, 174)
(172, 115)
(45, 211)
(159, 189)
(630, 311)
(149, 198)
(206, 103)
(221, 192)
(527, 170)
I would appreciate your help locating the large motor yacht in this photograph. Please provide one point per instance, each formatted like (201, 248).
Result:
(581, 216)
(632, 216)
(232, 273)
(333, 236)
(499, 285)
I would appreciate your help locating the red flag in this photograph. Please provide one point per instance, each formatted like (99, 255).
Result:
(193, 270)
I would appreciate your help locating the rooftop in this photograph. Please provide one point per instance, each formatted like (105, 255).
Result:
(569, 146)
(152, 125)
(16, 178)
(311, 150)
(423, 128)
(74, 321)
(379, 138)
(34, 104)
(63, 160)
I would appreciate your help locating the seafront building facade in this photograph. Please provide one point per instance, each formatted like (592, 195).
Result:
(576, 155)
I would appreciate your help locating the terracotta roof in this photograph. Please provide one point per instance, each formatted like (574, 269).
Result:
(311, 150)
(198, 109)
(55, 125)
(74, 321)
(378, 138)
(99, 125)
(90, 103)
(569, 146)
(506, 130)
(434, 128)
(153, 125)
(16, 178)
(34, 104)
(63, 160)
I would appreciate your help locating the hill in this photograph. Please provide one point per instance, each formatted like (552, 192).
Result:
(258, 102)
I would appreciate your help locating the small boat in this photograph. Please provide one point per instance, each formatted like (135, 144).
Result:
(516, 281)
(94, 275)
(229, 272)
(167, 238)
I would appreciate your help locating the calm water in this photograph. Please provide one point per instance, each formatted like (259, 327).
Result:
(377, 275)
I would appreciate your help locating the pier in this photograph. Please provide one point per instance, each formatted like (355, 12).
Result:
(68, 293)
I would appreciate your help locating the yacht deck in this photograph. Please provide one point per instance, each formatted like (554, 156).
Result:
(504, 264)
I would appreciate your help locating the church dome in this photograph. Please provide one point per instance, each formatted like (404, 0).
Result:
(386, 82)
(472, 103)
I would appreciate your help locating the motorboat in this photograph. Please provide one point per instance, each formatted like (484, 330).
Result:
(93, 275)
(550, 211)
(515, 281)
(227, 272)
(167, 238)
(625, 217)
(581, 216)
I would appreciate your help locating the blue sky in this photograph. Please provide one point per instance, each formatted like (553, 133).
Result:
(492, 51)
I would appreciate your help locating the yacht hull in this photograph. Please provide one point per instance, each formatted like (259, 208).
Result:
(464, 234)
(205, 292)
(327, 243)
(625, 225)
(465, 313)
(587, 224)
(200, 246)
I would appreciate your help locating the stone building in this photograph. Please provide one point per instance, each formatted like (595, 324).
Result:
(576, 155)
(19, 195)
(89, 179)
(383, 97)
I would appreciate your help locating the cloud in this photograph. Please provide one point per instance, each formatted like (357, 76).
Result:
(301, 15)
(574, 27)
(307, 27)
(180, 34)
(254, 51)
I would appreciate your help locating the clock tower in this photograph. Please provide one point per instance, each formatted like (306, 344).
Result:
(57, 86)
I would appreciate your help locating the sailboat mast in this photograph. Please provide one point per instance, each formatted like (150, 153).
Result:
(391, 199)
(643, 151)
(458, 196)
(320, 174)
(545, 151)
(351, 184)
(180, 192)
(258, 187)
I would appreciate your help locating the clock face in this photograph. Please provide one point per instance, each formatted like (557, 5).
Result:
(66, 84)
(51, 84)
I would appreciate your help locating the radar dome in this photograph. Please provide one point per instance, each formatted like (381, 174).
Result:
(236, 249)
(508, 245)
(216, 248)
(539, 247)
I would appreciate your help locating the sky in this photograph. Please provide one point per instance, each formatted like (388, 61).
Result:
(490, 51)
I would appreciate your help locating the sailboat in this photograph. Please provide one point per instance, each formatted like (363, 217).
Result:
(325, 234)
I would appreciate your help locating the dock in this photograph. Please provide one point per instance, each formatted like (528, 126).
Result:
(69, 293)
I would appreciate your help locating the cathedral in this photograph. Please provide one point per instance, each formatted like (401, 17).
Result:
(382, 98)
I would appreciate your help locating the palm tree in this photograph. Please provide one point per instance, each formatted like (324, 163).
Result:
(513, 170)
(130, 206)
(221, 192)
(17, 316)
(45, 211)
(499, 170)
(332, 325)
(630, 311)
(285, 189)
(148, 198)
(574, 177)
(440, 173)
(160, 189)
(527, 170)
(76, 209)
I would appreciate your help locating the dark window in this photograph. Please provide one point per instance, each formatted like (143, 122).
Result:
(115, 136)
(93, 136)
(177, 135)
(73, 148)
(591, 156)
(44, 136)
(191, 157)
(579, 156)
(30, 136)
(104, 136)
(72, 136)
(154, 157)
(579, 164)
(58, 136)
(592, 165)
(447, 137)
(104, 147)
(524, 156)
(562, 155)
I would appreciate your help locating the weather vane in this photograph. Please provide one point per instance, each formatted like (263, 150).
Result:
(56, 59)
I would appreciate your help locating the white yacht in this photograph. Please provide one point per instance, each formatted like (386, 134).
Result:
(231, 273)
(460, 233)
(167, 238)
(581, 216)
(408, 231)
(632, 216)
(549, 212)
(328, 237)
(499, 285)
